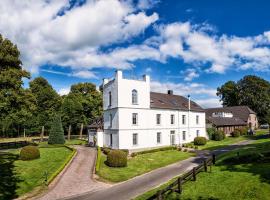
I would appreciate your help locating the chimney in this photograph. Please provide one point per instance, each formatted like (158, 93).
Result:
(170, 92)
(188, 102)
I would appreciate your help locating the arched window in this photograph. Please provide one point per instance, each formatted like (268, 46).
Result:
(134, 97)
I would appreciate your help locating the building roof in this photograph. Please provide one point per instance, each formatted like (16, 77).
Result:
(170, 101)
(226, 121)
(241, 112)
(96, 123)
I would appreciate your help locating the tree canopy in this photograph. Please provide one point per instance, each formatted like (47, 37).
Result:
(250, 91)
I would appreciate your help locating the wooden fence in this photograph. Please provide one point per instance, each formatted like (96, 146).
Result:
(12, 145)
(177, 185)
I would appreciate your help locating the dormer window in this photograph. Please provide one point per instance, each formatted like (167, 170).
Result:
(134, 97)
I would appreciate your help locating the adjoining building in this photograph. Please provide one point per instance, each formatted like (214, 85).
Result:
(228, 119)
(136, 118)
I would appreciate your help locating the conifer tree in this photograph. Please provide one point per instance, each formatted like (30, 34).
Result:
(56, 135)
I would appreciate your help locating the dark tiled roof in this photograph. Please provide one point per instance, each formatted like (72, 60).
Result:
(96, 123)
(226, 121)
(169, 101)
(241, 112)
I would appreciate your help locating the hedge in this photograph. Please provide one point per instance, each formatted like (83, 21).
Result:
(116, 158)
(200, 140)
(98, 160)
(154, 150)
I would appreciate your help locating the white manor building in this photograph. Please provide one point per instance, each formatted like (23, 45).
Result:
(136, 118)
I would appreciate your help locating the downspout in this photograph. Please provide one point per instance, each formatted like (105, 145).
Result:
(188, 115)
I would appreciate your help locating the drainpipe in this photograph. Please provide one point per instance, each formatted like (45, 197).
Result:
(188, 115)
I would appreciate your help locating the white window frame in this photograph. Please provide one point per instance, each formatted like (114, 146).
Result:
(184, 119)
(159, 137)
(134, 97)
(110, 99)
(197, 119)
(184, 135)
(172, 119)
(135, 138)
(136, 119)
(158, 119)
(197, 133)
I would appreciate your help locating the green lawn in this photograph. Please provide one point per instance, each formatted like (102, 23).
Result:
(140, 164)
(19, 177)
(230, 181)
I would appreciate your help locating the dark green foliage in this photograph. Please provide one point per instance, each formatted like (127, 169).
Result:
(116, 158)
(125, 150)
(211, 132)
(219, 135)
(106, 150)
(98, 160)
(29, 153)
(56, 135)
(252, 157)
(154, 150)
(200, 140)
(236, 133)
(250, 91)
(244, 131)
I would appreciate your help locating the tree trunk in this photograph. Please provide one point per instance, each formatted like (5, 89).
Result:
(69, 132)
(24, 133)
(42, 134)
(81, 131)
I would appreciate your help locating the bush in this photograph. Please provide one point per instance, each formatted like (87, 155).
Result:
(125, 150)
(116, 158)
(29, 153)
(244, 131)
(211, 132)
(106, 150)
(56, 135)
(98, 159)
(154, 150)
(200, 140)
(219, 135)
(236, 133)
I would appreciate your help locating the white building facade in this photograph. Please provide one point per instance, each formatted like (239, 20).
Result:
(135, 118)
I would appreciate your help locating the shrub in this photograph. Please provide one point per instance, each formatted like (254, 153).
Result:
(125, 150)
(106, 150)
(98, 159)
(29, 153)
(196, 147)
(236, 133)
(56, 135)
(116, 158)
(210, 133)
(244, 131)
(200, 140)
(156, 150)
(219, 135)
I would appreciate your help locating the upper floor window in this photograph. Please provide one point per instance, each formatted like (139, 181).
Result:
(134, 118)
(110, 98)
(172, 119)
(197, 119)
(183, 119)
(158, 118)
(134, 97)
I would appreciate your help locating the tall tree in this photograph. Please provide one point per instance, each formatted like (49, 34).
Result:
(48, 101)
(251, 91)
(16, 103)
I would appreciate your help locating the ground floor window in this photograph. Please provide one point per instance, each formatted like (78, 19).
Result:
(111, 140)
(184, 135)
(135, 138)
(158, 137)
(172, 137)
(198, 133)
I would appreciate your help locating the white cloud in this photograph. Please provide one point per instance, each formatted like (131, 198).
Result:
(209, 102)
(190, 74)
(84, 74)
(64, 91)
(148, 70)
(146, 4)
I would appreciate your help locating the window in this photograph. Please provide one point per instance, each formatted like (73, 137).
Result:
(197, 119)
(158, 119)
(198, 133)
(135, 138)
(110, 98)
(183, 119)
(111, 140)
(134, 97)
(172, 137)
(158, 137)
(110, 118)
(184, 135)
(172, 119)
(134, 118)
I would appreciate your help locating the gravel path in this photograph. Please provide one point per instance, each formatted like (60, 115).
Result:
(140, 184)
(76, 178)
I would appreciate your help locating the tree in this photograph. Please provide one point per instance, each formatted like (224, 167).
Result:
(16, 103)
(56, 135)
(48, 102)
(250, 91)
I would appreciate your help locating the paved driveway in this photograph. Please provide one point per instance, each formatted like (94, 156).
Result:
(138, 185)
(77, 177)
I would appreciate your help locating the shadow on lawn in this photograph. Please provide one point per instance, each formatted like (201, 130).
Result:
(9, 180)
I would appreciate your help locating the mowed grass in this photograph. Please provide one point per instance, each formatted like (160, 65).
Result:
(27, 175)
(140, 164)
(229, 181)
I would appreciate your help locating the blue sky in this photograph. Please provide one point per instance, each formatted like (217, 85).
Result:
(190, 46)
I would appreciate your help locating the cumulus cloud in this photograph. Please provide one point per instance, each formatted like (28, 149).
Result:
(190, 74)
(85, 74)
(64, 91)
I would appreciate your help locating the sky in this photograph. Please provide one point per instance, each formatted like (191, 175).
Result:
(188, 46)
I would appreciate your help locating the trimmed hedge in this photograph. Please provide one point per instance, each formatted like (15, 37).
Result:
(29, 153)
(200, 140)
(116, 158)
(98, 160)
(236, 133)
(154, 150)
(219, 135)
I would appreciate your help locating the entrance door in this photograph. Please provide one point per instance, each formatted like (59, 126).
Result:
(172, 137)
